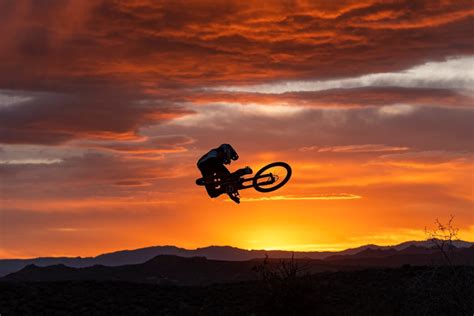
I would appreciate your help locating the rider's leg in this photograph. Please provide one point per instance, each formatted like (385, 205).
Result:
(243, 171)
(212, 191)
(231, 190)
(221, 171)
(210, 169)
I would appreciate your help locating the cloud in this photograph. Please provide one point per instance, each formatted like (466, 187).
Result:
(144, 145)
(426, 128)
(65, 229)
(218, 113)
(339, 98)
(355, 148)
(132, 183)
(396, 110)
(104, 70)
(84, 205)
(325, 197)
(56, 118)
(162, 46)
(30, 161)
(427, 158)
(8, 98)
(454, 73)
(396, 20)
(98, 175)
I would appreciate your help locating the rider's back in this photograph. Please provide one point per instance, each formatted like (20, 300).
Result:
(220, 155)
(213, 154)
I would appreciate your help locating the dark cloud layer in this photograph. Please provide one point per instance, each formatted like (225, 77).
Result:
(423, 128)
(92, 175)
(104, 57)
(53, 119)
(342, 98)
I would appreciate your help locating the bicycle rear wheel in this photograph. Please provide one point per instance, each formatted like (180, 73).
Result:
(272, 177)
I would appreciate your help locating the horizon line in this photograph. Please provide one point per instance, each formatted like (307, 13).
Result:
(321, 250)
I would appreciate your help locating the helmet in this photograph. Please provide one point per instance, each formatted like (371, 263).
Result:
(229, 152)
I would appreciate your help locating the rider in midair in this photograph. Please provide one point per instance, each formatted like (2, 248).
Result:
(212, 165)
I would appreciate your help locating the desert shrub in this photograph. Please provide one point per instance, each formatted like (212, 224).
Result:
(285, 285)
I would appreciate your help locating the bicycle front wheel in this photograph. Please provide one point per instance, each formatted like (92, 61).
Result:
(272, 177)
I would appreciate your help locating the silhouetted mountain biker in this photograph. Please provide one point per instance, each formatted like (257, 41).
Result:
(212, 165)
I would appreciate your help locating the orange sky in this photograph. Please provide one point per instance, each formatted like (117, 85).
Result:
(105, 107)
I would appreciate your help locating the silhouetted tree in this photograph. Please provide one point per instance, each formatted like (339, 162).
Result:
(442, 237)
(441, 289)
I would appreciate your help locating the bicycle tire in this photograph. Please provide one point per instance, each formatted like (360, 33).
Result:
(279, 185)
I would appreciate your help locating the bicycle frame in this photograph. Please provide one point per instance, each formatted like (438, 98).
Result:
(242, 182)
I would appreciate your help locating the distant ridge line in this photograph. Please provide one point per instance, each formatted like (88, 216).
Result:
(177, 270)
(226, 253)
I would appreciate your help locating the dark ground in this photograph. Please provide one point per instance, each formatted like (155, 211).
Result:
(402, 291)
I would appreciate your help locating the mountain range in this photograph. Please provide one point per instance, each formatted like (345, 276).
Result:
(175, 270)
(412, 252)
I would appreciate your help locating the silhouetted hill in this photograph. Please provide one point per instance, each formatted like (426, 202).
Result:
(412, 255)
(163, 269)
(377, 252)
(212, 252)
(429, 244)
(168, 269)
(126, 257)
(422, 244)
(366, 253)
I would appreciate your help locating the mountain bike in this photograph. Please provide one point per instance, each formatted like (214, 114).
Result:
(269, 178)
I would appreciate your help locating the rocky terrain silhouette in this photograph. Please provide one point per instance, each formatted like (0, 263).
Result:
(226, 253)
(401, 280)
(175, 270)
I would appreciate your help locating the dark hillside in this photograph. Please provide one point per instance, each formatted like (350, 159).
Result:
(136, 256)
(402, 291)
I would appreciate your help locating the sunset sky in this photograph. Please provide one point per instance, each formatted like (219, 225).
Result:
(105, 107)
